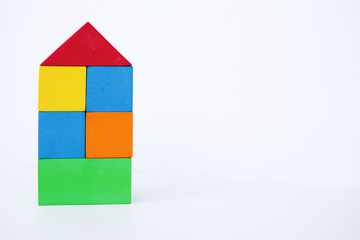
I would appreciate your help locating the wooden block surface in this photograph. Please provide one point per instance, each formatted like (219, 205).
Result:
(86, 47)
(84, 181)
(61, 134)
(109, 134)
(62, 88)
(109, 89)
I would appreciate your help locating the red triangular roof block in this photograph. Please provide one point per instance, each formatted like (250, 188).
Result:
(86, 47)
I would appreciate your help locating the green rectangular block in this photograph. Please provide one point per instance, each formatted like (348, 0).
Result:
(84, 181)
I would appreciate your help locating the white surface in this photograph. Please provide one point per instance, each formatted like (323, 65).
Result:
(246, 119)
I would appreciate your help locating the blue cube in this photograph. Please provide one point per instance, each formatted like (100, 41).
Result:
(61, 134)
(109, 89)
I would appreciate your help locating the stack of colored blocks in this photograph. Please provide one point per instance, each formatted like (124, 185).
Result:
(85, 123)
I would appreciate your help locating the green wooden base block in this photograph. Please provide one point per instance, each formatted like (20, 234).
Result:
(84, 181)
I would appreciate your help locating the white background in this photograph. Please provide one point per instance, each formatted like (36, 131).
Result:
(246, 118)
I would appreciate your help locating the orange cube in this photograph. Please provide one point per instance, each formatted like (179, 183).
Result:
(109, 134)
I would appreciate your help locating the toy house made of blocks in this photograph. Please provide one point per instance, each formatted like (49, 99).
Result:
(85, 123)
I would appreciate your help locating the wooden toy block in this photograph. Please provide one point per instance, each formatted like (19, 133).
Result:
(62, 88)
(109, 89)
(109, 134)
(61, 134)
(86, 47)
(84, 181)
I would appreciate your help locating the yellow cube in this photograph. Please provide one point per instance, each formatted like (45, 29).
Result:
(62, 88)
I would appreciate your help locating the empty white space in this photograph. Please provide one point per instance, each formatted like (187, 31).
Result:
(246, 118)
